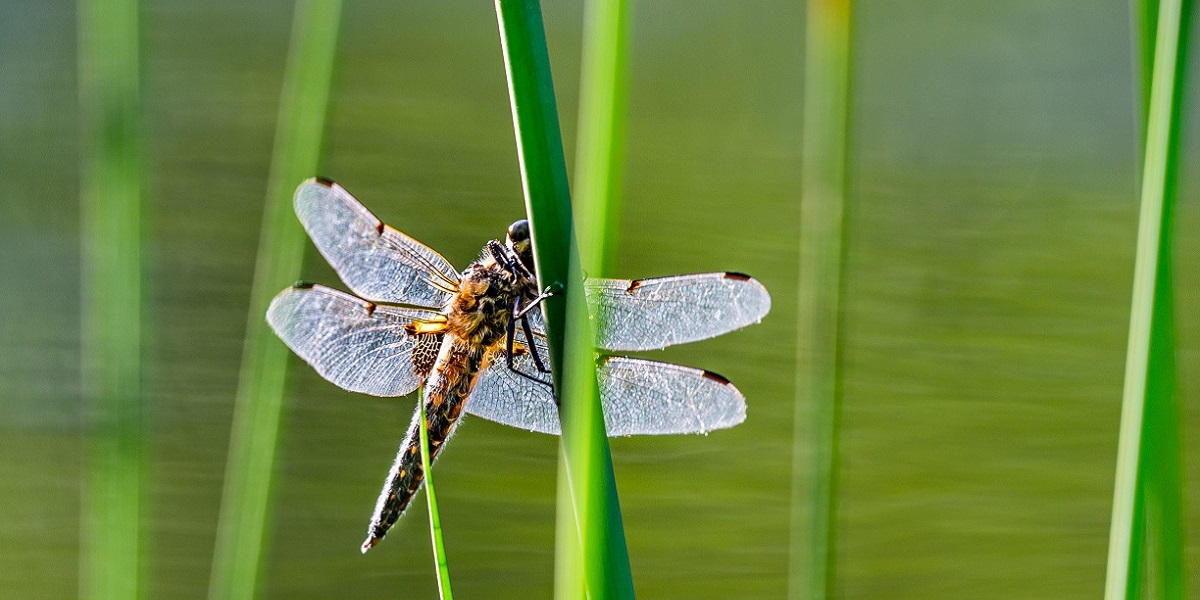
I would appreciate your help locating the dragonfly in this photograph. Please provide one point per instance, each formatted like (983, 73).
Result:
(476, 339)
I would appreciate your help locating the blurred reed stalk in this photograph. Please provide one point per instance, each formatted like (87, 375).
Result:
(251, 462)
(111, 352)
(592, 548)
(818, 352)
(600, 143)
(1145, 553)
(435, 521)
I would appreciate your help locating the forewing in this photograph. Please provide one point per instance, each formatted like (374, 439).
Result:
(355, 344)
(649, 314)
(640, 397)
(374, 260)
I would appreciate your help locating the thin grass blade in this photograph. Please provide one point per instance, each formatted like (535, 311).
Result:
(435, 520)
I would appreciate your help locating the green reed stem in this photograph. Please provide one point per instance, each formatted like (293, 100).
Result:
(593, 546)
(818, 362)
(252, 446)
(435, 521)
(1145, 555)
(111, 241)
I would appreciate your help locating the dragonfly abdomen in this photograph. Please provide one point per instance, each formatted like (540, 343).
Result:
(446, 394)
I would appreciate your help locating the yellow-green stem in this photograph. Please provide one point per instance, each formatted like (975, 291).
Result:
(818, 377)
(111, 240)
(250, 466)
(435, 521)
(1145, 553)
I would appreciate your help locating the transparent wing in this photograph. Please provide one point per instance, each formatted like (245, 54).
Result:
(357, 345)
(502, 396)
(649, 314)
(376, 261)
(645, 397)
(640, 397)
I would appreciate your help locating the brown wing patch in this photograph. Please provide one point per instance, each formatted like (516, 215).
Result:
(717, 377)
(425, 353)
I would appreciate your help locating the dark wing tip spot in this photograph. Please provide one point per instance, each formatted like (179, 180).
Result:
(737, 276)
(370, 308)
(304, 285)
(379, 227)
(633, 286)
(325, 181)
(717, 377)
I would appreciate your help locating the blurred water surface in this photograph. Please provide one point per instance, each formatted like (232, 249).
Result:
(991, 230)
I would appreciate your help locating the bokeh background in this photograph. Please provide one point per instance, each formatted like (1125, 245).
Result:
(992, 220)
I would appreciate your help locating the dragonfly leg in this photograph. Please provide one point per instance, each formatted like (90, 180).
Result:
(511, 343)
(533, 351)
(498, 253)
(550, 290)
(510, 263)
(519, 314)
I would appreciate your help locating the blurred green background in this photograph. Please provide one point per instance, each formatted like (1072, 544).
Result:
(991, 228)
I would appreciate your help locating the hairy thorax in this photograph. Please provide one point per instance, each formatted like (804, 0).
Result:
(479, 313)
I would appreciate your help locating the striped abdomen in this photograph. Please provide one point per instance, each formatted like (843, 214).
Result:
(445, 395)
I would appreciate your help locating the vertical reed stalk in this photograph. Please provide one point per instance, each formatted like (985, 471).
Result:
(818, 383)
(111, 241)
(598, 534)
(435, 521)
(1145, 554)
(252, 446)
(600, 145)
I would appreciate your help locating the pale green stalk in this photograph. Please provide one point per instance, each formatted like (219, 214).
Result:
(111, 266)
(250, 465)
(600, 145)
(1146, 541)
(818, 376)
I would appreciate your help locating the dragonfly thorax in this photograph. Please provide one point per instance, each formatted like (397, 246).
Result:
(487, 291)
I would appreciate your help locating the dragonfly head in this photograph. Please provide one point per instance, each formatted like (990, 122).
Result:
(518, 242)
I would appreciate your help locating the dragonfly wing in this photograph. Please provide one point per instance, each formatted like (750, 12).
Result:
(650, 314)
(376, 261)
(505, 397)
(640, 397)
(355, 344)
(646, 397)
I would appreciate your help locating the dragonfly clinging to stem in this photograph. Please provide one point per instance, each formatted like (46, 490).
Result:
(476, 340)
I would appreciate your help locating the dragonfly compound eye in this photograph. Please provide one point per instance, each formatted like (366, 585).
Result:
(518, 235)
(519, 242)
